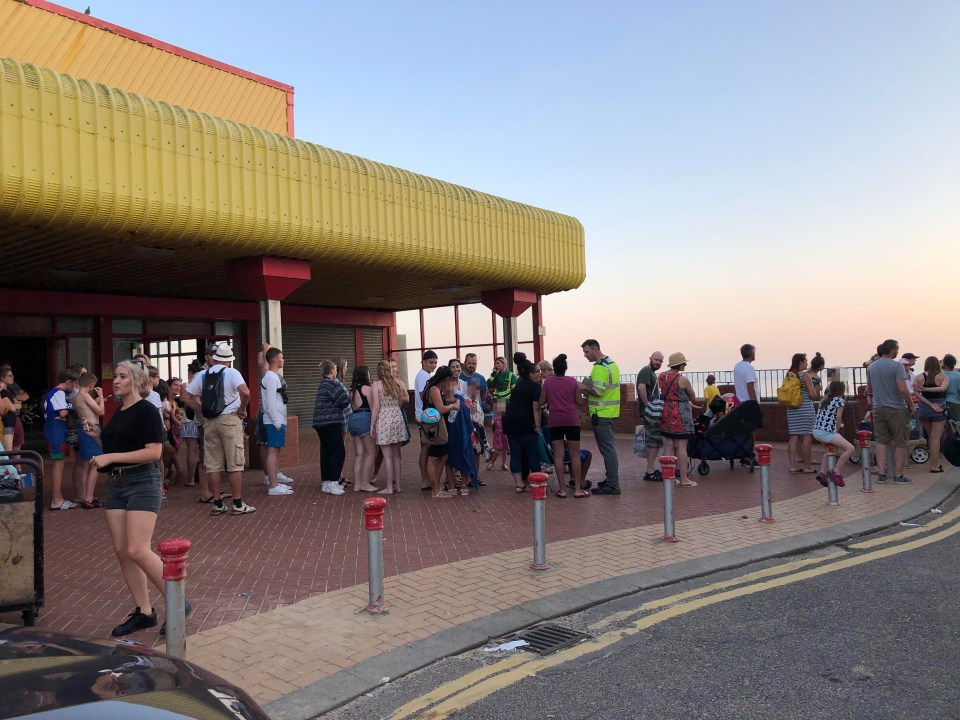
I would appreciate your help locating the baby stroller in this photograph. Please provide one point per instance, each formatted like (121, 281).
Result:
(725, 435)
(916, 445)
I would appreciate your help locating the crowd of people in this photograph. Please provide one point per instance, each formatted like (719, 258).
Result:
(165, 431)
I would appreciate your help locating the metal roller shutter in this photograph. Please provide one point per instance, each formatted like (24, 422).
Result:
(372, 349)
(304, 348)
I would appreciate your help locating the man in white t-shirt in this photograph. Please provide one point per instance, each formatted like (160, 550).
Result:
(273, 405)
(223, 432)
(428, 366)
(744, 376)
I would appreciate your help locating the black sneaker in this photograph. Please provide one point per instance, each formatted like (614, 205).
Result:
(655, 476)
(135, 621)
(187, 609)
(606, 489)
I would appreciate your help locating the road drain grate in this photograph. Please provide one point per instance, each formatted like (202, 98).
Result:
(548, 638)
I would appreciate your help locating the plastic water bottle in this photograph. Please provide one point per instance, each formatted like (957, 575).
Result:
(452, 415)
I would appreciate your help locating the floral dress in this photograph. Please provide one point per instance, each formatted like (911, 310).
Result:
(500, 441)
(677, 419)
(391, 425)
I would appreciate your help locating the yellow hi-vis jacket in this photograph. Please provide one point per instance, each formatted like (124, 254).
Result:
(605, 381)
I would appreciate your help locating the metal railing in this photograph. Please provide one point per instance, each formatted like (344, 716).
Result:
(767, 380)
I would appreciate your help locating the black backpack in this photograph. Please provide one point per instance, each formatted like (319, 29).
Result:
(211, 394)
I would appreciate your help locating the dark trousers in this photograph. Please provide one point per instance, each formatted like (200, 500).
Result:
(332, 452)
(524, 454)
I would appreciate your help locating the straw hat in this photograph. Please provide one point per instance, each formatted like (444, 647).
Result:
(676, 360)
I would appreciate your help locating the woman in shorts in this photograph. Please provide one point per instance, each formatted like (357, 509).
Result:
(132, 444)
(562, 395)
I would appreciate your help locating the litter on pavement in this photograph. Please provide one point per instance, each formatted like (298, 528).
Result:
(512, 645)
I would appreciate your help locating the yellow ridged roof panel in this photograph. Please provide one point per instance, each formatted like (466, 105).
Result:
(48, 36)
(100, 164)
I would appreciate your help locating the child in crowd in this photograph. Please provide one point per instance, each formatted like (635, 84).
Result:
(56, 409)
(826, 429)
(500, 443)
(88, 404)
(711, 390)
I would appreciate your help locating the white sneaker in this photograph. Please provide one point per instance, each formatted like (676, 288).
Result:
(280, 490)
(242, 510)
(283, 478)
(332, 488)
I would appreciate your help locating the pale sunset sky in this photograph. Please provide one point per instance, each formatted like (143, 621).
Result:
(777, 172)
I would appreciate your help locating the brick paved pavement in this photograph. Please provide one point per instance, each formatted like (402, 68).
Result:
(277, 592)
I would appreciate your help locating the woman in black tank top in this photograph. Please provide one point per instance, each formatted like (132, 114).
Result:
(364, 444)
(931, 387)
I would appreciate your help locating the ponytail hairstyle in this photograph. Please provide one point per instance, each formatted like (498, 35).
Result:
(560, 365)
(816, 365)
(524, 366)
(442, 374)
(326, 366)
(835, 389)
(795, 362)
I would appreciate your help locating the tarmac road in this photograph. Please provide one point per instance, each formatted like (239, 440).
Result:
(858, 632)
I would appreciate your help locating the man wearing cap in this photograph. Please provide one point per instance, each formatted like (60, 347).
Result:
(646, 391)
(428, 366)
(892, 407)
(223, 434)
(909, 360)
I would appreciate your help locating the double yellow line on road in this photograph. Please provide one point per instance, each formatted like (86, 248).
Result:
(458, 694)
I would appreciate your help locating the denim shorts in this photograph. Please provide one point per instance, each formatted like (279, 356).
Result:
(359, 423)
(139, 489)
(823, 436)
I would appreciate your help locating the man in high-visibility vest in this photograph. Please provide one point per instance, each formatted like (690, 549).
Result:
(603, 400)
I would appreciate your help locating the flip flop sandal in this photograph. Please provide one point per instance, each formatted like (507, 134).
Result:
(65, 505)
(584, 495)
(938, 469)
(559, 495)
(208, 500)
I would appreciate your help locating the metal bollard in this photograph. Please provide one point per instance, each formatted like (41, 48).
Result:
(373, 509)
(173, 555)
(864, 437)
(668, 463)
(538, 491)
(833, 497)
(763, 459)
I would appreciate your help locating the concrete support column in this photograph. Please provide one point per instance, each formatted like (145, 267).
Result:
(509, 340)
(270, 328)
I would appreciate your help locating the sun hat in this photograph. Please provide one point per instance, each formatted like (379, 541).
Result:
(224, 353)
(676, 359)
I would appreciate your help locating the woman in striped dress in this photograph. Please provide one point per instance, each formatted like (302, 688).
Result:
(800, 420)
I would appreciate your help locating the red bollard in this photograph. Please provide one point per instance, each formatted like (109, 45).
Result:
(173, 555)
(538, 491)
(864, 437)
(373, 509)
(668, 465)
(763, 459)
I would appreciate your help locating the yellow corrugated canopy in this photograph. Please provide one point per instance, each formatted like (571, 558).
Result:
(102, 168)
